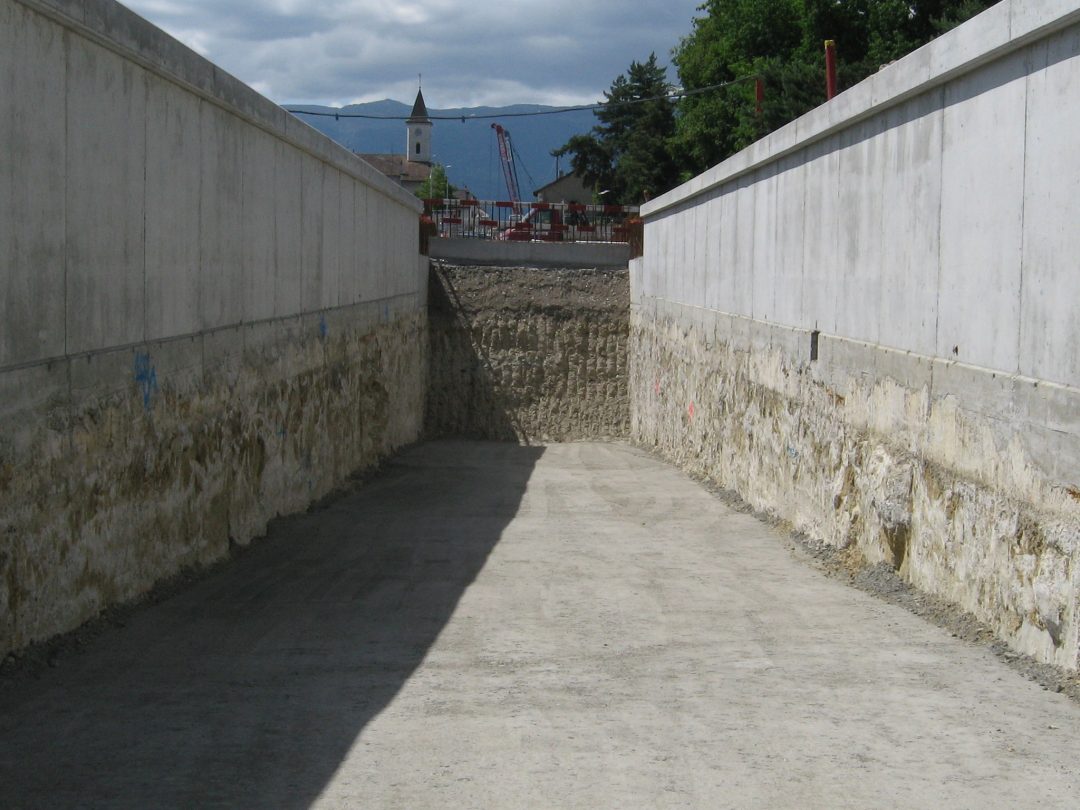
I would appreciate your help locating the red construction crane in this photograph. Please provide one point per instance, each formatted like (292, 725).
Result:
(509, 168)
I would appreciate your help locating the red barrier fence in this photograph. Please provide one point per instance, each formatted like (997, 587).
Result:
(527, 222)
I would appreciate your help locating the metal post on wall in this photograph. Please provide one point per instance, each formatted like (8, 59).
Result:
(830, 68)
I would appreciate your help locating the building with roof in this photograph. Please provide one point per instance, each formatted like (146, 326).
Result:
(413, 167)
(567, 188)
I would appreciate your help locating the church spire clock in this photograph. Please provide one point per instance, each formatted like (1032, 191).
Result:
(418, 127)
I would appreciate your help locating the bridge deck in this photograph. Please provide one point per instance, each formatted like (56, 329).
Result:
(486, 625)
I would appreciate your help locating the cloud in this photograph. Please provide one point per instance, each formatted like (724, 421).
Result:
(489, 52)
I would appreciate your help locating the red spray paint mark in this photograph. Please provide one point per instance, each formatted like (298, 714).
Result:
(690, 410)
(657, 386)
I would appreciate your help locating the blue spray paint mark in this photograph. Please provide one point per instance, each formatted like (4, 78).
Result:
(324, 327)
(386, 313)
(145, 378)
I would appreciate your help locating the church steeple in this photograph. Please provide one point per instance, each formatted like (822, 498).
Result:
(418, 128)
(419, 109)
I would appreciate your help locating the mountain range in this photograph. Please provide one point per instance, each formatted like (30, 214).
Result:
(466, 146)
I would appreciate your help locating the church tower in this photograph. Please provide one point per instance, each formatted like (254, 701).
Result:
(419, 131)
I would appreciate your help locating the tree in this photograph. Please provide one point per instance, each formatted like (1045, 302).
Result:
(628, 153)
(781, 41)
(436, 186)
(736, 39)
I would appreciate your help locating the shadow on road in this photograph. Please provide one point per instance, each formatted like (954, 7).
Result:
(463, 396)
(248, 689)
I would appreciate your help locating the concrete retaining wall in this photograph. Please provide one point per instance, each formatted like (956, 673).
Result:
(529, 355)
(864, 323)
(210, 314)
(529, 254)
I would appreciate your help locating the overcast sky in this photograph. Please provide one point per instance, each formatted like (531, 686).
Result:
(483, 52)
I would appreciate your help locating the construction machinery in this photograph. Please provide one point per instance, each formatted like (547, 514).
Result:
(509, 167)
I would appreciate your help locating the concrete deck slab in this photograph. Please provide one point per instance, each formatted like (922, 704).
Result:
(489, 625)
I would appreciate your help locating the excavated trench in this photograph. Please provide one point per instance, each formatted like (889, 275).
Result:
(542, 355)
(531, 355)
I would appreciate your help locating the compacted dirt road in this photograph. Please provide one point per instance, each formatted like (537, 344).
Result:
(486, 625)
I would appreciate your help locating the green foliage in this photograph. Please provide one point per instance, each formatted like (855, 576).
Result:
(782, 41)
(628, 154)
(640, 150)
(591, 159)
(436, 186)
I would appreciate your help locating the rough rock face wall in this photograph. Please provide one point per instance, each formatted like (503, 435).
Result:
(528, 354)
(864, 460)
(121, 468)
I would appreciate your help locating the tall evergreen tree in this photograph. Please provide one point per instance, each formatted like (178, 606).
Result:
(628, 153)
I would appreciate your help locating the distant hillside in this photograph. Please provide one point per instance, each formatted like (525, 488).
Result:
(469, 147)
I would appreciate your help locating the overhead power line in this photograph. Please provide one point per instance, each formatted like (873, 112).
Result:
(558, 111)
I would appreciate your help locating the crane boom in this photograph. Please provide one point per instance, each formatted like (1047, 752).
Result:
(509, 168)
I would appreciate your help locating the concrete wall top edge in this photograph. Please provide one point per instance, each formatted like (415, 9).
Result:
(993, 34)
(114, 26)
(529, 254)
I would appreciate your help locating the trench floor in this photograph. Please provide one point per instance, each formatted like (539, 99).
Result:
(486, 625)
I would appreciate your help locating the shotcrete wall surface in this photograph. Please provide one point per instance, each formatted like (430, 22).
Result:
(209, 313)
(528, 354)
(865, 323)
